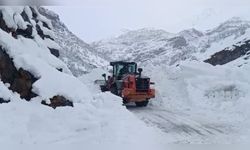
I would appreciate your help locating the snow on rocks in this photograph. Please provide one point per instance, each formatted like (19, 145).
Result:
(8, 14)
(20, 22)
(7, 95)
(19, 80)
(34, 56)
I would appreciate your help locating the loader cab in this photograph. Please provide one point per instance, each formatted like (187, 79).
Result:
(120, 68)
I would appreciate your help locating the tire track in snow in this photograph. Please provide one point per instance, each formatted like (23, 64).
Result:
(182, 127)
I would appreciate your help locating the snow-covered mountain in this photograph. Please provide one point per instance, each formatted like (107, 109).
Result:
(160, 47)
(140, 45)
(79, 56)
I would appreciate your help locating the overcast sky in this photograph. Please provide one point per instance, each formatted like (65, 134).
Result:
(93, 20)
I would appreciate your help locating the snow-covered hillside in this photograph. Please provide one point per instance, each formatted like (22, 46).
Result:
(79, 56)
(160, 47)
(31, 75)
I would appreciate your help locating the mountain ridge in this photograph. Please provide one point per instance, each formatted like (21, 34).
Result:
(149, 45)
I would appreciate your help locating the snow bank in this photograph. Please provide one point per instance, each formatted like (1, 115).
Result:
(105, 124)
(215, 97)
(214, 85)
(201, 85)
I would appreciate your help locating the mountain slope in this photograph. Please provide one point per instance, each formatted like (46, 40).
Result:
(159, 47)
(136, 45)
(78, 55)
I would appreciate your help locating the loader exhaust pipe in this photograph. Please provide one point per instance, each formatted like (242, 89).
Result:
(139, 70)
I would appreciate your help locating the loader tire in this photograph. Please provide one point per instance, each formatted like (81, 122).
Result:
(103, 88)
(114, 90)
(142, 104)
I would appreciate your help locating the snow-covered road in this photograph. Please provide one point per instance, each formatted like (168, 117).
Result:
(193, 105)
(184, 128)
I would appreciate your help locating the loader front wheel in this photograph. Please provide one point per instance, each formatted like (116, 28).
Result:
(114, 90)
(142, 104)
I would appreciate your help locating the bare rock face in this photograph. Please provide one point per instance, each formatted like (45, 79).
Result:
(41, 34)
(58, 101)
(3, 25)
(25, 17)
(25, 33)
(54, 52)
(23, 84)
(8, 71)
(226, 56)
(20, 80)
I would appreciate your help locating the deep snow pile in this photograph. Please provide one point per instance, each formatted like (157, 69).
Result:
(202, 84)
(101, 123)
(214, 96)
(96, 118)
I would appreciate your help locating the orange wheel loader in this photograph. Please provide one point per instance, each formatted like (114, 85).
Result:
(127, 82)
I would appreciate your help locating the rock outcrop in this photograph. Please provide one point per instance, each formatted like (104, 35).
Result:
(3, 25)
(16, 78)
(54, 52)
(20, 80)
(228, 55)
(58, 101)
